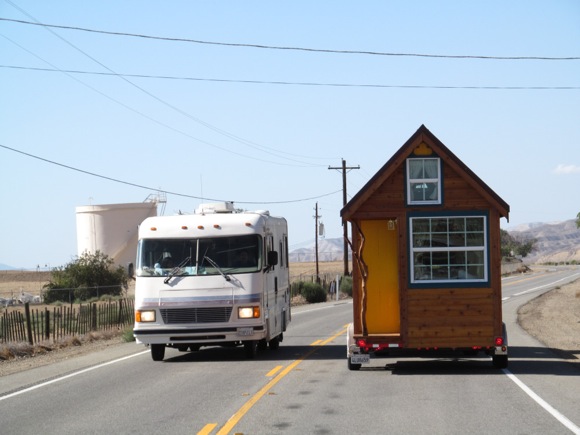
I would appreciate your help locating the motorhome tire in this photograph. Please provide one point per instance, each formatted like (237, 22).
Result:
(262, 344)
(274, 343)
(157, 352)
(251, 348)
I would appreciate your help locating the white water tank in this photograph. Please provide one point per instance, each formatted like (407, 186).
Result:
(112, 229)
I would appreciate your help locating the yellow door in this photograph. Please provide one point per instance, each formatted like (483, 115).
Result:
(380, 253)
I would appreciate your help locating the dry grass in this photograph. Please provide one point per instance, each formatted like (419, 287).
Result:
(11, 350)
(305, 269)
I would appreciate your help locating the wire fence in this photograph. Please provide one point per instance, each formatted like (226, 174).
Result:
(37, 325)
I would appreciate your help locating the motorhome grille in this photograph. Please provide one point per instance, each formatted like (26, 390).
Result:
(196, 315)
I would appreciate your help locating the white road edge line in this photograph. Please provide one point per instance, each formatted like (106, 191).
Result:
(554, 412)
(545, 285)
(62, 378)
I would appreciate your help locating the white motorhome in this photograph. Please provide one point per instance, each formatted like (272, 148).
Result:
(218, 277)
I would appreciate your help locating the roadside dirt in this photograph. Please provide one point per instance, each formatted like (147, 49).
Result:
(553, 319)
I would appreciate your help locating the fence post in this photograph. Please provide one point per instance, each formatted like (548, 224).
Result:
(121, 316)
(47, 324)
(28, 322)
(94, 317)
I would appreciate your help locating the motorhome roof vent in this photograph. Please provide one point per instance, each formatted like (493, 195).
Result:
(216, 207)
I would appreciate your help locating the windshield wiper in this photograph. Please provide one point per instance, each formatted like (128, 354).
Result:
(176, 270)
(214, 264)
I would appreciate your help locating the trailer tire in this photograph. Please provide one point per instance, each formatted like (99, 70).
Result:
(251, 348)
(500, 361)
(352, 366)
(157, 352)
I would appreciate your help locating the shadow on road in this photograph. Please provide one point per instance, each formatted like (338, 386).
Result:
(523, 360)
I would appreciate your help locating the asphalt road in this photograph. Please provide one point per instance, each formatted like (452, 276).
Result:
(304, 387)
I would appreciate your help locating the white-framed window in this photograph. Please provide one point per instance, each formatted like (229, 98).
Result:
(423, 181)
(448, 249)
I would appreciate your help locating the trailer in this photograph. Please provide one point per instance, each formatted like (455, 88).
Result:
(426, 259)
(218, 277)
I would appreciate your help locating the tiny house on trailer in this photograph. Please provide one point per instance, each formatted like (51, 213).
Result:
(426, 257)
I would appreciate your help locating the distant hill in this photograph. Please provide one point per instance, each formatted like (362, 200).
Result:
(6, 267)
(556, 242)
(328, 250)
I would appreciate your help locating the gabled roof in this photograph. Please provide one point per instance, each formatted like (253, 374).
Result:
(423, 136)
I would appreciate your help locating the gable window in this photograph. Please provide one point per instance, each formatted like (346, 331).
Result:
(423, 181)
(448, 249)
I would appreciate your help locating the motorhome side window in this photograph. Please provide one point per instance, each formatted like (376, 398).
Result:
(448, 249)
(269, 244)
(203, 256)
(423, 181)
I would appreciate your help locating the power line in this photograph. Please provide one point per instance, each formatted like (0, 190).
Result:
(162, 124)
(262, 82)
(232, 136)
(289, 48)
(116, 180)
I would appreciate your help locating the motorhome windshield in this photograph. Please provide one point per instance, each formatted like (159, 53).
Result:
(204, 256)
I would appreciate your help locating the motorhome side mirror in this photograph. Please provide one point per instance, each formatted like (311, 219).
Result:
(272, 258)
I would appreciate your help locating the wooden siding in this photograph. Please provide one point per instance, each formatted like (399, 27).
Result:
(450, 318)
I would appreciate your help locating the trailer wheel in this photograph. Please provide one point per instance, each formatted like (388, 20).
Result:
(352, 366)
(251, 348)
(274, 343)
(157, 352)
(500, 361)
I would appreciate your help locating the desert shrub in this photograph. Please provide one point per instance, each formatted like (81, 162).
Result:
(89, 276)
(313, 292)
(127, 334)
(346, 285)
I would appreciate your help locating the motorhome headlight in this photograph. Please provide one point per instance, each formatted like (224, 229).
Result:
(248, 312)
(144, 316)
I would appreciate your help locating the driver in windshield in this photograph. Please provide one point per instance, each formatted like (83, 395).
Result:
(244, 260)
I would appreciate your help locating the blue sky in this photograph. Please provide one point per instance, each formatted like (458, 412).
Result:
(266, 145)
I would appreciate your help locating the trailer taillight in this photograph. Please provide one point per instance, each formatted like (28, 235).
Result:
(361, 342)
(499, 341)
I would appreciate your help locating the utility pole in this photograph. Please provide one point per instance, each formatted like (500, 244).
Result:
(316, 216)
(344, 225)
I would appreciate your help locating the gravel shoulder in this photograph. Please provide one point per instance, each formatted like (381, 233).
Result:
(552, 318)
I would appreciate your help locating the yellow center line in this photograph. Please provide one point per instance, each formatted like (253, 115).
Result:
(207, 429)
(234, 419)
(273, 371)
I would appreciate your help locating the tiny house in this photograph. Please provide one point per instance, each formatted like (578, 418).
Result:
(425, 239)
